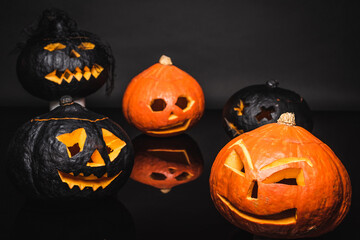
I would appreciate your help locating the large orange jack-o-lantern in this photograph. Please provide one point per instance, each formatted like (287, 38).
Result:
(70, 153)
(166, 163)
(280, 181)
(163, 100)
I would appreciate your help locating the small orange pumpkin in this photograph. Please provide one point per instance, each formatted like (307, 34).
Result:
(163, 100)
(280, 181)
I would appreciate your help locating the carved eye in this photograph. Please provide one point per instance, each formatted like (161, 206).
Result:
(73, 141)
(158, 105)
(182, 102)
(234, 162)
(185, 103)
(265, 112)
(184, 176)
(158, 176)
(54, 46)
(86, 46)
(288, 176)
(113, 144)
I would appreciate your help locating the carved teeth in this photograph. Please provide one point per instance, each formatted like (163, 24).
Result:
(82, 181)
(58, 76)
(78, 73)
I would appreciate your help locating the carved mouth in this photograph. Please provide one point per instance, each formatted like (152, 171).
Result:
(58, 76)
(282, 218)
(82, 181)
(178, 127)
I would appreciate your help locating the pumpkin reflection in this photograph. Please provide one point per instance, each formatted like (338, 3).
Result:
(166, 162)
(101, 219)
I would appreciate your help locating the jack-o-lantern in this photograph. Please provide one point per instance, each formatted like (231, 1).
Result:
(70, 152)
(166, 162)
(257, 105)
(280, 181)
(163, 100)
(58, 59)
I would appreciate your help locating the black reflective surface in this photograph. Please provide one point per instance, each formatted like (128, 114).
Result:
(141, 210)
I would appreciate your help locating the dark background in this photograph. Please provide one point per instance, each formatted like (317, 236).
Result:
(309, 46)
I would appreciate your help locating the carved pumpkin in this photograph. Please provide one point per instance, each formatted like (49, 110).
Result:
(166, 162)
(257, 105)
(58, 59)
(280, 181)
(70, 152)
(163, 100)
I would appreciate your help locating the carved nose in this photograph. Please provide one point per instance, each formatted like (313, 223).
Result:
(96, 160)
(253, 190)
(172, 116)
(74, 54)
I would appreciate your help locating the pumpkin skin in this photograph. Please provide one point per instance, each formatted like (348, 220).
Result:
(58, 59)
(166, 163)
(163, 100)
(257, 105)
(70, 153)
(280, 181)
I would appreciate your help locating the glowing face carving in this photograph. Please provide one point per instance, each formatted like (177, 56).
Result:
(58, 76)
(174, 111)
(280, 181)
(74, 143)
(280, 177)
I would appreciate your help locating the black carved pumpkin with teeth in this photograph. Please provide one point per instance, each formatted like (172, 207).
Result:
(58, 59)
(257, 105)
(70, 152)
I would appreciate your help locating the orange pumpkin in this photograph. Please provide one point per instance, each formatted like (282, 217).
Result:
(163, 100)
(280, 181)
(166, 162)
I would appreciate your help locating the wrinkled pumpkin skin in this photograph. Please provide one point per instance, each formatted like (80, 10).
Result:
(318, 202)
(257, 105)
(80, 52)
(36, 155)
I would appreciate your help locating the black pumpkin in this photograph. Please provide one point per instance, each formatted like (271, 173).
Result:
(257, 105)
(70, 153)
(58, 59)
(164, 163)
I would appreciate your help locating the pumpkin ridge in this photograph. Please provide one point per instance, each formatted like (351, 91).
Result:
(345, 178)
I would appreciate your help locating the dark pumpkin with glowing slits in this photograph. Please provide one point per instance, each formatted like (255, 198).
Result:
(70, 153)
(257, 105)
(58, 59)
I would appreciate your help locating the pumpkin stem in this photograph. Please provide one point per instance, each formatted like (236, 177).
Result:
(287, 119)
(165, 60)
(272, 83)
(66, 100)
